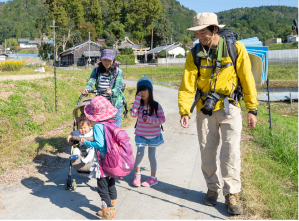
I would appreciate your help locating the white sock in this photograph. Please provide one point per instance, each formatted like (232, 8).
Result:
(154, 177)
(137, 173)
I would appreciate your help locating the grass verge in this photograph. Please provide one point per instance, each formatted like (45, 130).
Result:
(270, 165)
(27, 113)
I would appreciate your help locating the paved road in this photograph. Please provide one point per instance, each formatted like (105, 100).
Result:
(178, 195)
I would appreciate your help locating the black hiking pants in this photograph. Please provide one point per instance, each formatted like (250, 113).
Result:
(107, 190)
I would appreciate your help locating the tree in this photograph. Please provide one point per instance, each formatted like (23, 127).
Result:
(127, 51)
(162, 54)
(85, 28)
(162, 31)
(12, 43)
(45, 50)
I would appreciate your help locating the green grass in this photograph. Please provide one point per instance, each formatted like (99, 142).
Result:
(282, 143)
(270, 173)
(283, 72)
(28, 111)
(283, 46)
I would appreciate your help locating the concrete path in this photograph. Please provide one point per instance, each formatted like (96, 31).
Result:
(179, 194)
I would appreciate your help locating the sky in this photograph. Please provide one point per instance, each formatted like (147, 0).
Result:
(200, 6)
(222, 5)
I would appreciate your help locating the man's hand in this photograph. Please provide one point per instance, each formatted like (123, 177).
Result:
(108, 91)
(184, 122)
(251, 120)
(85, 91)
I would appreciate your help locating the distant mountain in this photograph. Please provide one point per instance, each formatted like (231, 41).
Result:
(264, 22)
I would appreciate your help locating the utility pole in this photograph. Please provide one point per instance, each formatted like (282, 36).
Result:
(89, 50)
(152, 39)
(5, 46)
(55, 65)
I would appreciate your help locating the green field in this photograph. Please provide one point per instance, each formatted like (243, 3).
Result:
(279, 75)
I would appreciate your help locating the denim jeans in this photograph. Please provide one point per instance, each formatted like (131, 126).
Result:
(118, 115)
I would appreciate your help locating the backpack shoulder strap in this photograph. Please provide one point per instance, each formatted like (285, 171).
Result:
(196, 59)
(232, 51)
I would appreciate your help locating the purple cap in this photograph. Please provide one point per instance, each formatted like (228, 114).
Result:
(107, 54)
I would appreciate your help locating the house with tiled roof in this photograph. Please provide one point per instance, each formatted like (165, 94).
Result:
(139, 51)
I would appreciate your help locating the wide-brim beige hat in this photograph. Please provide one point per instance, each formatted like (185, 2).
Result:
(203, 20)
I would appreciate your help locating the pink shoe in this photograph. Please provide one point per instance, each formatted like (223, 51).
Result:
(137, 180)
(150, 182)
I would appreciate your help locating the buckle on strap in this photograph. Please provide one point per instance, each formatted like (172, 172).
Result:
(226, 103)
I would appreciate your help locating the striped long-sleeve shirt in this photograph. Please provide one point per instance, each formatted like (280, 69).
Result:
(151, 127)
(115, 84)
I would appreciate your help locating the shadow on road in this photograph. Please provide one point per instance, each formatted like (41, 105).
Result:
(56, 192)
(175, 191)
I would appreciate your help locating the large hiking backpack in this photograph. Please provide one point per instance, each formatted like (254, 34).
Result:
(119, 160)
(230, 37)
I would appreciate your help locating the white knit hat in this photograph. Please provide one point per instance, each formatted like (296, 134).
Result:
(203, 20)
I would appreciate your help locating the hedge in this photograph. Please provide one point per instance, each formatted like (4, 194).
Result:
(126, 59)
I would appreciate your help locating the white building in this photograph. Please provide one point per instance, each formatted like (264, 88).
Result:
(26, 43)
(292, 38)
(3, 57)
(276, 40)
(172, 49)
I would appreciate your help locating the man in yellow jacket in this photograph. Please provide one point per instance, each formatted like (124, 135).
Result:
(218, 109)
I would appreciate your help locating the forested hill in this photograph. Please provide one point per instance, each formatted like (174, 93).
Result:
(264, 22)
(115, 19)
(18, 19)
(179, 17)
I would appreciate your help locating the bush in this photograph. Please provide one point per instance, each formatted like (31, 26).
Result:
(126, 59)
(179, 56)
(162, 54)
(127, 51)
(11, 65)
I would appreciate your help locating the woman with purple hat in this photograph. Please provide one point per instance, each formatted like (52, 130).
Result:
(108, 80)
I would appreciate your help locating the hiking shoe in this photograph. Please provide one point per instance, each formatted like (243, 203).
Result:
(210, 198)
(137, 180)
(233, 203)
(150, 182)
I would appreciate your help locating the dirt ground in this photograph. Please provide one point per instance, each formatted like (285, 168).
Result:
(24, 77)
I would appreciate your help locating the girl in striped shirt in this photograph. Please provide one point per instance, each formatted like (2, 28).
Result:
(148, 129)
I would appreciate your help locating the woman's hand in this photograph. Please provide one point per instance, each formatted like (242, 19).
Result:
(108, 91)
(139, 94)
(82, 141)
(68, 139)
(85, 91)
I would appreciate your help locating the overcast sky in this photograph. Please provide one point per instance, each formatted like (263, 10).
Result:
(222, 5)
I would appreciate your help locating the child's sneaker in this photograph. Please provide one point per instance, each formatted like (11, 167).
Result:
(137, 180)
(150, 182)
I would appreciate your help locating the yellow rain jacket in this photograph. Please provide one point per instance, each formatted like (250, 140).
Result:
(227, 81)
